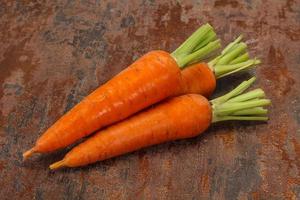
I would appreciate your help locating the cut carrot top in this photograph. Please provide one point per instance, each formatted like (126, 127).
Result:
(237, 106)
(203, 42)
(197, 47)
(232, 59)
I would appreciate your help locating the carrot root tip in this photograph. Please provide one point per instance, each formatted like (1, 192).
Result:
(28, 153)
(57, 165)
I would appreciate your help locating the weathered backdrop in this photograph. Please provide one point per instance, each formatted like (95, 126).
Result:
(53, 53)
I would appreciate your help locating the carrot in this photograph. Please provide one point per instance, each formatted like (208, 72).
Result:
(152, 78)
(198, 79)
(180, 117)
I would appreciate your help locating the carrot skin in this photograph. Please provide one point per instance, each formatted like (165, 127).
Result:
(198, 79)
(177, 118)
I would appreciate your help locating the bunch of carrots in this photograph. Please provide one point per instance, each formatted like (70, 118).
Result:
(177, 84)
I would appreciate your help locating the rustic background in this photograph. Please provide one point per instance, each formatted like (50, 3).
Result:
(53, 53)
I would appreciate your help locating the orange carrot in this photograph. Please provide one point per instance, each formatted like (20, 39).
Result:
(148, 80)
(177, 118)
(152, 78)
(198, 79)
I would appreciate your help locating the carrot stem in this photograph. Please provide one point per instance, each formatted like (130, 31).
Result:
(200, 44)
(235, 52)
(211, 36)
(238, 90)
(242, 58)
(187, 46)
(228, 108)
(232, 59)
(251, 111)
(224, 70)
(241, 118)
(257, 93)
(199, 54)
(231, 45)
(203, 42)
(227, 49)
(237, 106)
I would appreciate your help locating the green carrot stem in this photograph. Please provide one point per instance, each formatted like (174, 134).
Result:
(203, 42)
(214, 61)
(228, 107)
(199, 54)
(237, 106)
(232, 59)
(229, 47)
(188, 45)
(254, 94)
(242, 58)
(251, 111)
(222, 69)
(211, 36)
(200, 44)
(238, 90)
(227, 58)
(225, 70)
(226, 50)
(240, 118)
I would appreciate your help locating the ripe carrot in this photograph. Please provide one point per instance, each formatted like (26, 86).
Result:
(152, 78)
(198, 79)
(180, 117)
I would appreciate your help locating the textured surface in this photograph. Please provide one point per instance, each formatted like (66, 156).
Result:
(53, 53)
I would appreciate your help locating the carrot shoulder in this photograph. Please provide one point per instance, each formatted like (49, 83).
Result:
(198, 79)
(180, 117)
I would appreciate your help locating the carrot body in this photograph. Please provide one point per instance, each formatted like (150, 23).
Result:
(180, 117)
(198, 79)
(152, 78)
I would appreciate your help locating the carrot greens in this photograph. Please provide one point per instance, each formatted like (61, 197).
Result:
(237, 106)
(232, 59)
(197, 47)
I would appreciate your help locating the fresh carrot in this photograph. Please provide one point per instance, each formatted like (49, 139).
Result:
(177, 118)
(152, 78)
(198, 79)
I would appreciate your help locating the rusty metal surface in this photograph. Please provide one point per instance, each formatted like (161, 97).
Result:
(53, 53)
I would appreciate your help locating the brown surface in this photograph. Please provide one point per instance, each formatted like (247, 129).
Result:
(54, 53)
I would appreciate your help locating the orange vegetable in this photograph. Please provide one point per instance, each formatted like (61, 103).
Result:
(198, 79)
(152, 78)
(148, 80)
(177, 118)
